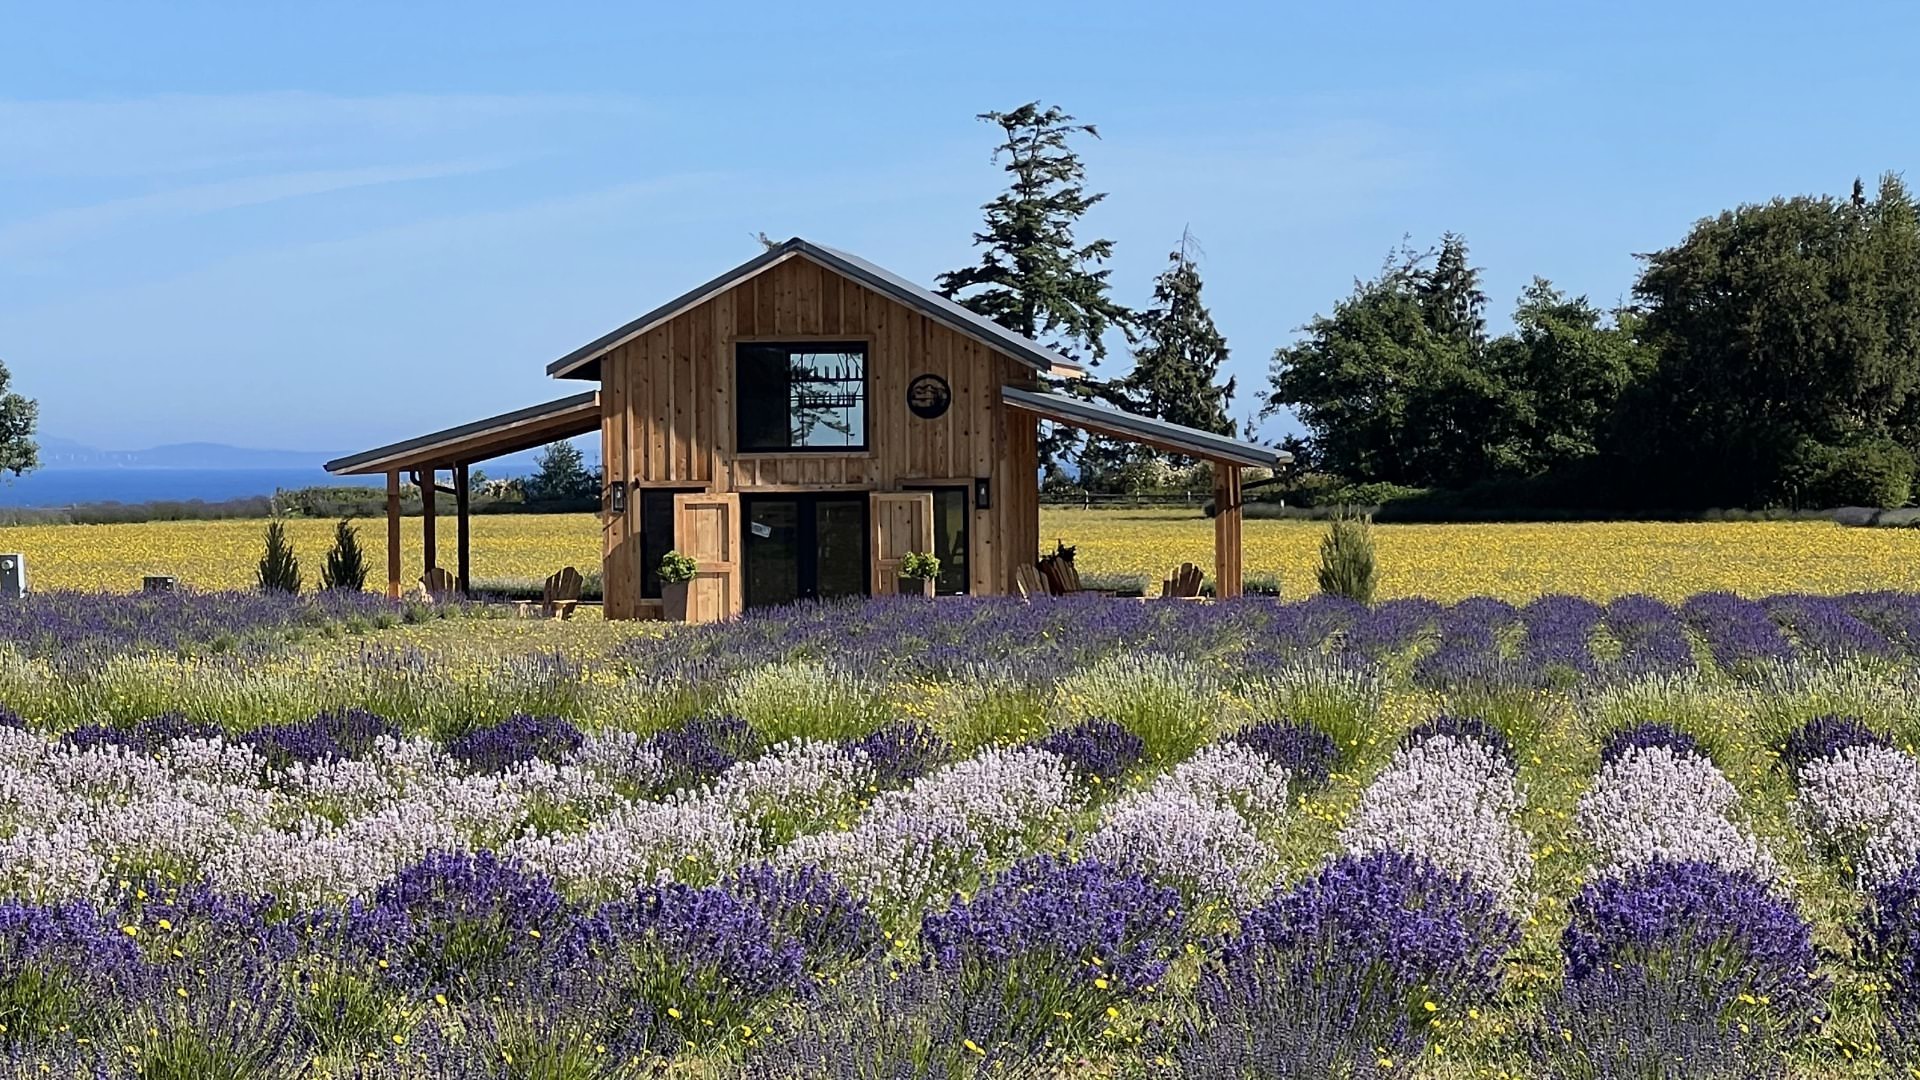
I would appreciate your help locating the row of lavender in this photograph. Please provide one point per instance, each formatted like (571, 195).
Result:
(1553, 639)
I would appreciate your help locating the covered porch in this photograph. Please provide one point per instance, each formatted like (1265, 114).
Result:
(455, 450)
(1226, 454)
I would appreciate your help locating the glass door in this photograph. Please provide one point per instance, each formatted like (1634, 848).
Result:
(952, 511)
(804, 547)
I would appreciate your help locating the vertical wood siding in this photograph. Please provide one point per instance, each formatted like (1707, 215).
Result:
(668, 418)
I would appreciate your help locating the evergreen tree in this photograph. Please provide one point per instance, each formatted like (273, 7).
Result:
(18, 418)
(346, 565)
(561, 475)
(1034, 277)
(1450, 296)
(1176, 367)
(279, 569)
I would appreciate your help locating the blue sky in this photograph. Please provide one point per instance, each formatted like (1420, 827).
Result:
(339, 226)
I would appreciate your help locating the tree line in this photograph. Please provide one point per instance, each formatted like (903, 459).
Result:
(1771, 357)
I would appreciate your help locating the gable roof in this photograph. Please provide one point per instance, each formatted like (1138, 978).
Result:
(1160, 434)
(522, 429)
(584, 362)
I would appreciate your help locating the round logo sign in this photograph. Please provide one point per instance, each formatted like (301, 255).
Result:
(928, 397)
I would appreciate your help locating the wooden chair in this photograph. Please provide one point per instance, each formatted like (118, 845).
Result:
(1028, 582)
(440, 585)
(558, 597)
(1184, 584)
(1063, 580)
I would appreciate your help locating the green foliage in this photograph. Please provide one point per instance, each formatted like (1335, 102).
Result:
(798, 699)
(279, 568)
(562, 476)
(346, 565)
(677, 568)
(1176, 366)
(1399, 384)
(920, 566)
(1783, 331)
(1034, 276)
(19, 416)
(1346, 559)
(1877, 472)
(1170, 703)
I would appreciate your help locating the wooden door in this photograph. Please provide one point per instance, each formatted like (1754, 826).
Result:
(902, 521)
(707, 527)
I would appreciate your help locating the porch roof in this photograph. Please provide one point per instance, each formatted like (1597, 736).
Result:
(1159, 434)
(508, 433)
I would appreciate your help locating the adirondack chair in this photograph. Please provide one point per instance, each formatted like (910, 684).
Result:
(558, 597)
(1184, 584)
(1028, 582)
(1061, 576)
(440, 585)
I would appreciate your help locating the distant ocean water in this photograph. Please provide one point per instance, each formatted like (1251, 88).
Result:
(65, 487)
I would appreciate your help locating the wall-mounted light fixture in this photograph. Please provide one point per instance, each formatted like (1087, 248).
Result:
(619, 493)
(982, 493)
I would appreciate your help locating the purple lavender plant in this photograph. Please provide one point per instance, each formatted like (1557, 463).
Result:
(63, 968)
(1890, 941)
(462, 923)
(1824, 736)
(1306, 752)
(1634, 1021)
(1824, 627)
(698, 751)
(1648, 734)
(1652, 639)
(807, 907)
(1462, 727)
(1717, 930)
(1739, 632)
(902, 752)
(888, 1023)
(1053, 944)
(519, 738)
(11, 719)
(1469, 650)
(347, 734)
(1559, 642)
(1099, 751)
(143, 736)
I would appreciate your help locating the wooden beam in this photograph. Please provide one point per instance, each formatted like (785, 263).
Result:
(393, 535)
(426, 481)
(1227, 562)
(462, 531)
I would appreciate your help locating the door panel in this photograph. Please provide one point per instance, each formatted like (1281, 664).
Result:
(708, 528)
(805, 547)
(902, 523)
(773, 551)
(840, 547)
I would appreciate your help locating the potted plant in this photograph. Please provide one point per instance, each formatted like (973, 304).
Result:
(676, 570)
(917, 573)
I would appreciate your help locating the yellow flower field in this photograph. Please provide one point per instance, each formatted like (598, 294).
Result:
(1442, 561)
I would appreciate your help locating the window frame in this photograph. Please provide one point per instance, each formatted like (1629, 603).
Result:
(803, 343)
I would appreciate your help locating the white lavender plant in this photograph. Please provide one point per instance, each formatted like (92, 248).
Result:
(1454, 801)
(1201, 847)
(1651, 803)
(1861, 805)
(1237, 777)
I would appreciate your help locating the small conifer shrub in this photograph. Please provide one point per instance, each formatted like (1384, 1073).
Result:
(1346, 558)
(279, 568)
(346, 565)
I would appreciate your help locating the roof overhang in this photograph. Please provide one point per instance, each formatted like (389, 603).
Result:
(1159, 434)
(508, 433)
(584, 362)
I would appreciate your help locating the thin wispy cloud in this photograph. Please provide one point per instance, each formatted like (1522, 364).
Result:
(57, 230)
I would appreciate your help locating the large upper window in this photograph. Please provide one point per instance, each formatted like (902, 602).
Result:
(801, 396)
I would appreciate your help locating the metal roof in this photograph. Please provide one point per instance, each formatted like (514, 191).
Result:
(522, 429)
(1176, 438)
(583, 363)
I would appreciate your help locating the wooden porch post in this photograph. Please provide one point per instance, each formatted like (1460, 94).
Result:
(393, 535)
(1226, 530)
(427, 481)
(461, 531)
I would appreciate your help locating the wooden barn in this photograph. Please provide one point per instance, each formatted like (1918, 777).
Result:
(799, 424)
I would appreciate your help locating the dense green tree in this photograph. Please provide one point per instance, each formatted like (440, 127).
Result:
(1450, 297)
(18, 418)
(561, 474)
(346, 562)
(1566, 365)
(279, 568)
(1035, 277)
(1788, 345)
(1390, 386)
(1177, 362)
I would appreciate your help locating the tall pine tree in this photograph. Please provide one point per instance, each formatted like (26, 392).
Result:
(1176, 367)
(1034, 277)
(1450, 296)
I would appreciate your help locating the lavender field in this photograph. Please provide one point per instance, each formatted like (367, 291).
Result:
(329, 838)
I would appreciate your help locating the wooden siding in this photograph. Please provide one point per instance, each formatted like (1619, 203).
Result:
(668, 416)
